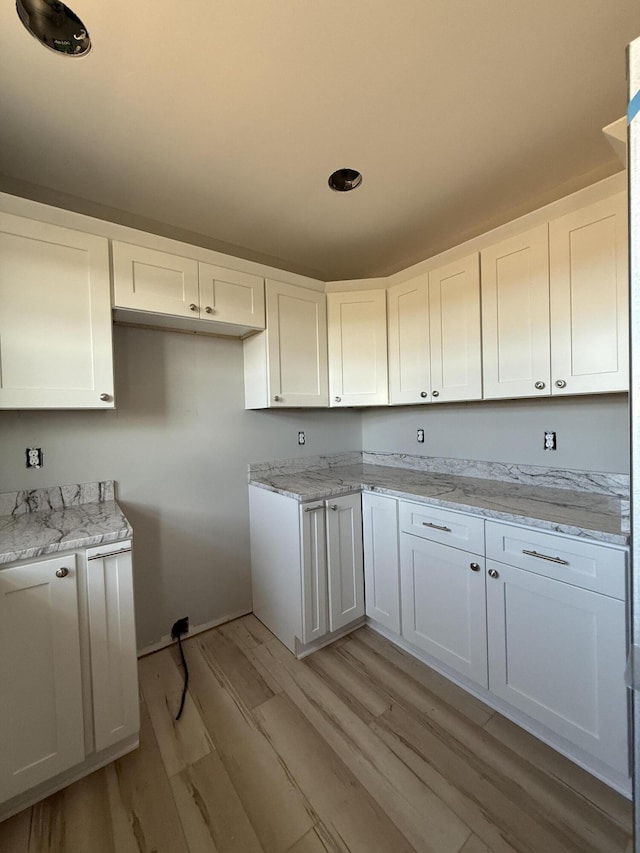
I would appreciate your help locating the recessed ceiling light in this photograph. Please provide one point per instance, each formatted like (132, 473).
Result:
(55, 26)
(345, 180)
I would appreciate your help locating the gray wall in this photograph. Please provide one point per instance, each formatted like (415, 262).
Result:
(178, 446)
(179, 442)
(592, 432)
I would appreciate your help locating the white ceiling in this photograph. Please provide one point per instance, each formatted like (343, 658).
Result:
(226, 117)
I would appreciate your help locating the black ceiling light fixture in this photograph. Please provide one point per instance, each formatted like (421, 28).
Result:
(345, 180)
(55, 26)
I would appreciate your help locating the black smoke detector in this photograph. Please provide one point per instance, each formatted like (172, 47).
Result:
(345, 180)
(55, 26)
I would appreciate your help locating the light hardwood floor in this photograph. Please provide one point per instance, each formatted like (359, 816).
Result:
(358, 748)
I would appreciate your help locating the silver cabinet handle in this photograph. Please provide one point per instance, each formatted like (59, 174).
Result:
(109, 554)
(209, 309)
(277, 398)
(334, 507)
(338, 399)
(423, 394)
(493, 573)
(436, 393)
(62, 573)
(475, 567)
(545, 557)
(560, 383)
(105, 398)
(436, 526)
(313, 508)
(193, 306)
(540, 385)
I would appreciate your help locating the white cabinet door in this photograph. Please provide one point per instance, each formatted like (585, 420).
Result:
(55, 317)
(515, 316)
(112, 639)
(229, 296)
(41, 716)
(357, 330)
(589, 299)
(149, 280)
(444, 604)
(381, 559)
(409, 357)
(314, 572)
(344, 560)
(557, 653)
(454, 321)
(296, 346)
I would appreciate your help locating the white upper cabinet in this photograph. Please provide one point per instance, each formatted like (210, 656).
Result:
(409, 357)
(454, 322)
(148, 280)
(589, 299)
(230, 296)
(55, 317)
(515, 316)
(357, 331)
(286, 365)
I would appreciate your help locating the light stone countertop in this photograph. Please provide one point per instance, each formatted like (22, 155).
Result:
(576, 513)
(64, 524)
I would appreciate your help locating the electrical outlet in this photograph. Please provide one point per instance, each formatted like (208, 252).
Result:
(35, 457)
(420, 436)
(550, 440)
(301, 438)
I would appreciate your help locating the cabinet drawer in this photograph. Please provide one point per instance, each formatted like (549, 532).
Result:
(600, 568)
(443, 525)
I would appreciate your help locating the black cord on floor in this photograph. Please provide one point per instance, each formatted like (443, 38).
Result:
(186, 678)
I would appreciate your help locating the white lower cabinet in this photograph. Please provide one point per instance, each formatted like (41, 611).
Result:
(381, 559)
(332, 566)
(557, 652)
(41, 713)
(534, 621)
(306, 566)
(68, 670)
(112, 630)
(556, 618)
(444, 604)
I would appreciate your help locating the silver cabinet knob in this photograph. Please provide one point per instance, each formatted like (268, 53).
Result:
(208, 309)
(540, 385)
(475, 567)
(435, 393)
(193, 306)
(106, 397)
(338, 399)
(493, 573)
(423, 394)
(62, 573)
(277, 399)
(560, 383)
(334, 507)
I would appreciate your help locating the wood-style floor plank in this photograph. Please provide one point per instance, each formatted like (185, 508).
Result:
(234, 670)
(76, 818)
(357, 748)
(182, 742)
(143, 812)
(212, 816)
(421, 816)
(366, 649)
(278, 811)
(352, 818)
(561, 770)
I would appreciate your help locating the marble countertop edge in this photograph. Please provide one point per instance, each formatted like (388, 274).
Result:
(596, 523)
